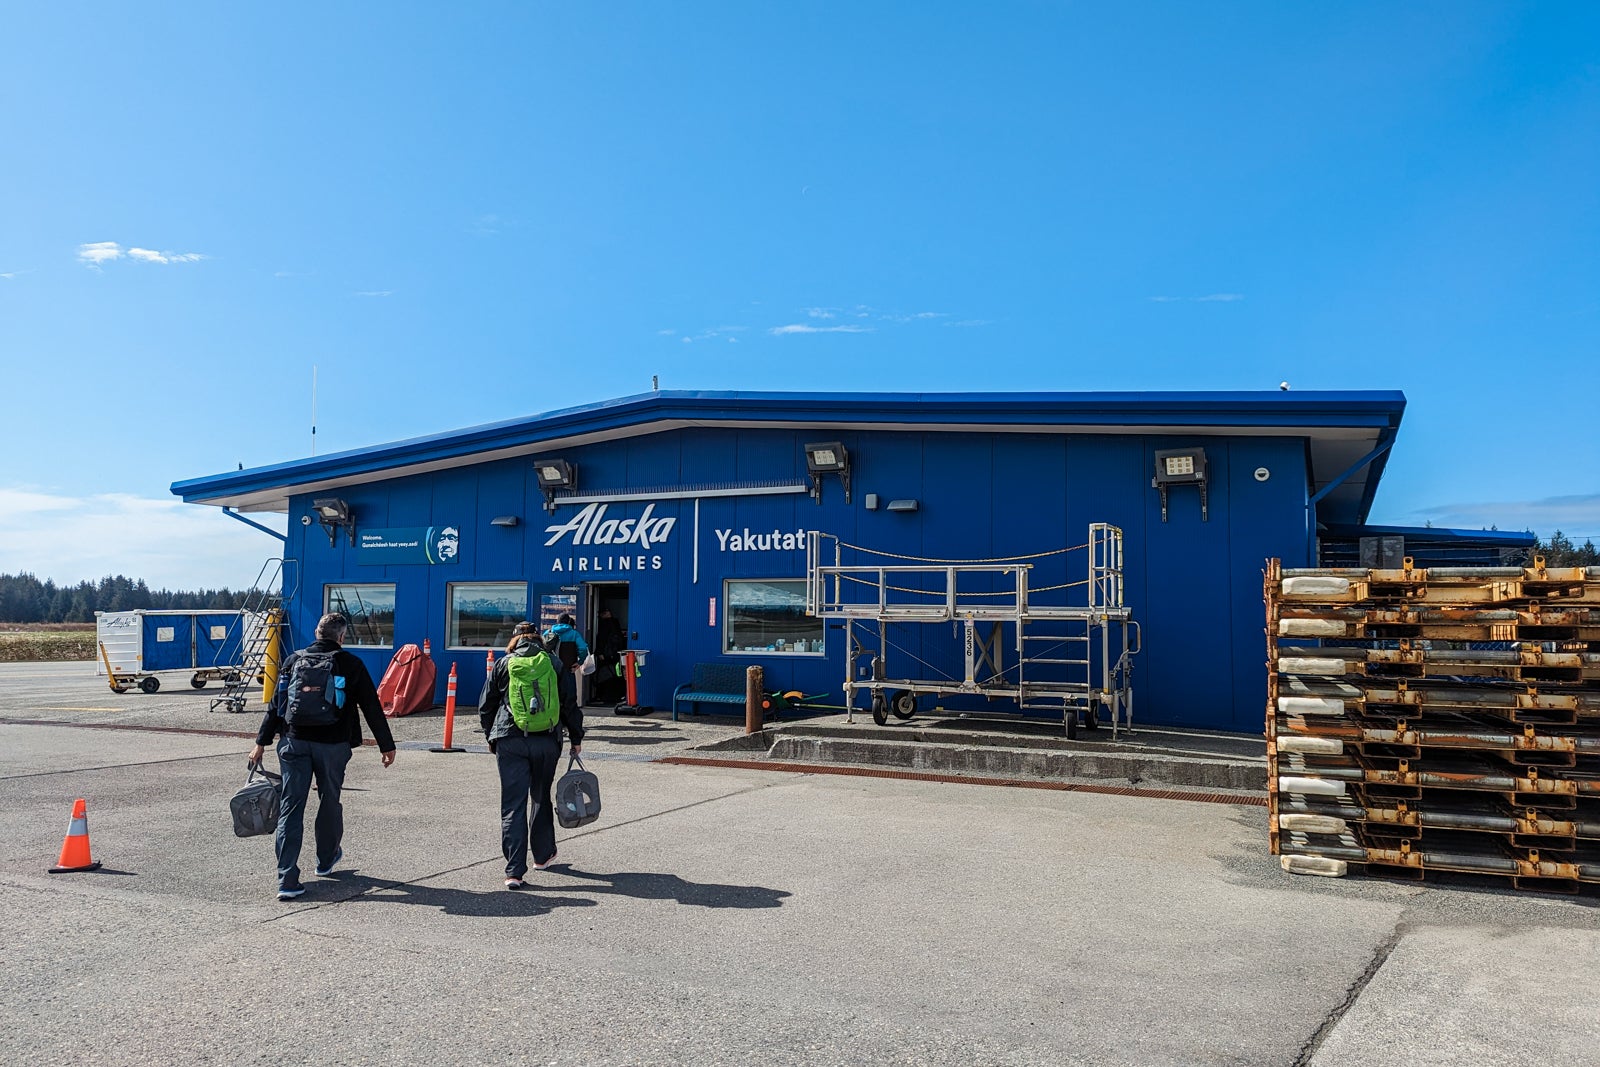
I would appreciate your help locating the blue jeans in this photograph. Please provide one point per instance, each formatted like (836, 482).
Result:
(300, 761)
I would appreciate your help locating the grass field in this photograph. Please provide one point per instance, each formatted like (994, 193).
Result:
(21, 643)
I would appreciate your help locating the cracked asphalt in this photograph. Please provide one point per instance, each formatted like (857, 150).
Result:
(720, 916)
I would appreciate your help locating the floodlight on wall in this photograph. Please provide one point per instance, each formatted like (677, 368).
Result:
(827, 458)
(1181, 466)
(504, 520)
(554, 474)
(333, 513)
(903, 505)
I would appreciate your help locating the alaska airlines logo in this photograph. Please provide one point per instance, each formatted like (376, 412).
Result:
(591, 527)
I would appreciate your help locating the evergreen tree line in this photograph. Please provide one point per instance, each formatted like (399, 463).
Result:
(24, 598)
(1559, 551)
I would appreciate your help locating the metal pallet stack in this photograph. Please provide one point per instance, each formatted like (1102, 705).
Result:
(1436, 720)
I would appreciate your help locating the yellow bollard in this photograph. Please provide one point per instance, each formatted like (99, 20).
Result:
(274, 656)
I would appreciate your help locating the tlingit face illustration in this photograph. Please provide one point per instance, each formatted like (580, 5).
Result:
(449, 542)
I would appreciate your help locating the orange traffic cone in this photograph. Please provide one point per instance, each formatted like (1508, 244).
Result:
(75, 849)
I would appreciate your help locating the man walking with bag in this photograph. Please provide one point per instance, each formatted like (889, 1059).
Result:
(526, 702)
(314, 709)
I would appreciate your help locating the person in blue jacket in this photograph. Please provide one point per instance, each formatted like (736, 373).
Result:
(566, 643)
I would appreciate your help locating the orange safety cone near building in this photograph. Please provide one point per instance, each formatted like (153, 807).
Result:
(75, 849)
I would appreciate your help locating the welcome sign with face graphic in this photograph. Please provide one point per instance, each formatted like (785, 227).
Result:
(409, 544)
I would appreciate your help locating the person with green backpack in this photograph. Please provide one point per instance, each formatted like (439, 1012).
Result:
(526, 703)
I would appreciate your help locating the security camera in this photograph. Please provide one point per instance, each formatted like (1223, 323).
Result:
(1262, 474)
(1284, 386)
(305, 520)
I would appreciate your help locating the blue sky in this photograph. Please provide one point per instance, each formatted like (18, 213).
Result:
(465, 213)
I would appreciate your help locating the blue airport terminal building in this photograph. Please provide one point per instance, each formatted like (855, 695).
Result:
(688, 516)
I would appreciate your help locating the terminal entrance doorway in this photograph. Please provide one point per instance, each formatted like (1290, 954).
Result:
(607, 636)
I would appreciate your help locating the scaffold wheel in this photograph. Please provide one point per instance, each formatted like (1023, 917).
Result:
(880, 706)
(903, 704)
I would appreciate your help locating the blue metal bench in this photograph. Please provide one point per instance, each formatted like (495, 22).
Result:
(714, 683)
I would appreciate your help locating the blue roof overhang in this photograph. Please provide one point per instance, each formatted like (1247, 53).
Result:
(1340, 429)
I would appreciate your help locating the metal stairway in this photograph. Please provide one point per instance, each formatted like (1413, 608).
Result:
(261, 620)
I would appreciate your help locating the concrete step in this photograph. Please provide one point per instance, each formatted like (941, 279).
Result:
(1148, 761)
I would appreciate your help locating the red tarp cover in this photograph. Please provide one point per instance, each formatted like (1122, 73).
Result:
(407, 685)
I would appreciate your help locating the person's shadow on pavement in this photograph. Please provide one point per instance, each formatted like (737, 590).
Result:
(671, 887)
(351, 886)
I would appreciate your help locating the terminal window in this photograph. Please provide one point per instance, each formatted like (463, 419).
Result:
(370, 609)
(769, 617)
(482, 614)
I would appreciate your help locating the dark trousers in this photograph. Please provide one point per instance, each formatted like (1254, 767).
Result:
(527, 771)
(300, 761)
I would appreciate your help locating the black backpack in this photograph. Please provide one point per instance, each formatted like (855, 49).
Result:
(564, 648)
(316, 690)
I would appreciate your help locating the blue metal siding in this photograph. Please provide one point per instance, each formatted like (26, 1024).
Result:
(1194, 585)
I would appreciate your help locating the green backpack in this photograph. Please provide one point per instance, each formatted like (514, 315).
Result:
(532, 692)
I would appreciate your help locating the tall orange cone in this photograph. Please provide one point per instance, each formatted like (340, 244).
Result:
(449, 716)
(75, 849)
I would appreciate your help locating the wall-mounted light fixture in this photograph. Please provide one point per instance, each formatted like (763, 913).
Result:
(504, 520)
(828, 458)
(333, 513)
(1181, 466)
(904, 505)
(554, 474)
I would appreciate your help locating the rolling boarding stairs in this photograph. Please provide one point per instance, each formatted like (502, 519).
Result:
(1072, 644)
(264, 632)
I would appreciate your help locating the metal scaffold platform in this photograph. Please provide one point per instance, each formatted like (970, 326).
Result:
(1028, 645)
(1436, 720)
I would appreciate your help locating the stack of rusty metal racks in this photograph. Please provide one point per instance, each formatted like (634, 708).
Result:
(1424, 720)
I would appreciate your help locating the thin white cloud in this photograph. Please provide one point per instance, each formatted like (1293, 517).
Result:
(375, 292)
(1209, 298)
(711, 333)
(1578, 514)
(897, 317)
(148, 255)
(821, 313)
(94, 253)
(10, 274)
(967, 322)
(666, 333)
(801, 327)
(97, 252)
(168, 543)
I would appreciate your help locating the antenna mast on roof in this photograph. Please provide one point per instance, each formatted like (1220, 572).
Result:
(655, 383)
(313, 409)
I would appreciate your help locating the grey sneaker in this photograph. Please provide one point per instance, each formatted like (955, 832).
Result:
(291, 892)
(546, 864)
(324, 871)
(514, 883)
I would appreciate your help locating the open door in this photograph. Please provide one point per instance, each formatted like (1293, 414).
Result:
(605, 626)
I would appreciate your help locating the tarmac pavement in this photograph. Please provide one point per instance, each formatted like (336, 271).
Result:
(719, 915)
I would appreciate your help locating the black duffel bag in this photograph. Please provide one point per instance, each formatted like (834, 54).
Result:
(577, 795)
(257, 803)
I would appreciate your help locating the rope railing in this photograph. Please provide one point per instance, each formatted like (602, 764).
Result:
(962, 562)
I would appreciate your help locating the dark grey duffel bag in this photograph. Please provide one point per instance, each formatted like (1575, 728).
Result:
(577, 795)
(256, 804)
